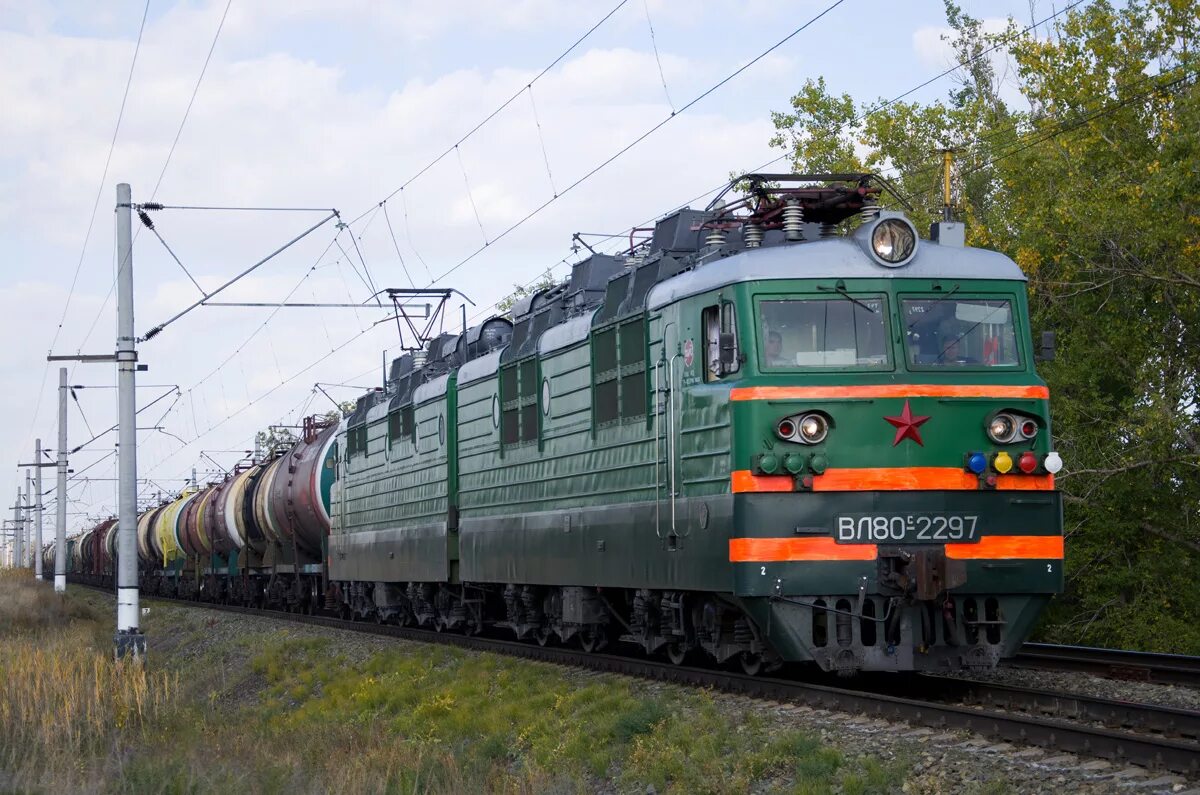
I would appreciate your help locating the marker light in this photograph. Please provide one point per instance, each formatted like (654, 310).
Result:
(786, 429)
(1002, 463)
(768, 463)
(818, 463)
(1027, 462)
(793, 463)
(1053, 463)
(977, 462)
(1028, 429)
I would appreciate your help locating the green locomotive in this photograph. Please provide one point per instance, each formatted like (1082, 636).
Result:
(751, 438)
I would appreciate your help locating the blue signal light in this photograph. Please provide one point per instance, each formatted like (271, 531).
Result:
(977, 462)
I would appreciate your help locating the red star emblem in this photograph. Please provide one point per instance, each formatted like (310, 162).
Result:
(906, 426)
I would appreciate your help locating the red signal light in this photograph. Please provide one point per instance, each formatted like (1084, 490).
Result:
(786, 429)
(1027, 462)
(1029, 429)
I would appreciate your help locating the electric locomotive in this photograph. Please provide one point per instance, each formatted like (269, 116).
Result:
(749, 438)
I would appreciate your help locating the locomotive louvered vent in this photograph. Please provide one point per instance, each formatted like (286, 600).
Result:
(645, 277)
(588, 281)
(549, 315)
(364, 405)
(674, 234)
(402, 395)
(614, 294)
(519, 335)
(401, 366)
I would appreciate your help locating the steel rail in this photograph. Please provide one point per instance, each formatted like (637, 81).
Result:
(1112, 713)
(1145, 750)
(1114, 663)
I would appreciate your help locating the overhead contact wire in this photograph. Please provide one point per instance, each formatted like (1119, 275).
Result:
(400, 256)
(657, 59)
(501, 107)
(541, 140)
(644, 136)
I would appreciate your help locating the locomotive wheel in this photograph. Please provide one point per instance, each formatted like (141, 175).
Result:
(543, 636)
(752, 664)
(592, 639)
(677, 652)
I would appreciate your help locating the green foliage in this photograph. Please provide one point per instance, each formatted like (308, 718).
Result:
(1090, 182)
(504, 305)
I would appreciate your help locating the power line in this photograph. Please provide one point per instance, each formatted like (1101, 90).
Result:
(657, 59)
(641, 138)
(104, 175)
(188, 110)
(37, 406)
(848, 125)
(499, 108)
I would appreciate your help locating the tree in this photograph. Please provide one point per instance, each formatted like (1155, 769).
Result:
(1092, 186)
(505, 305)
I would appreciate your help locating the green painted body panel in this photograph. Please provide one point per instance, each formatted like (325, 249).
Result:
(397, 499)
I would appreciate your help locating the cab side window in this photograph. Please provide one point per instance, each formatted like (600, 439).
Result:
(721, 356)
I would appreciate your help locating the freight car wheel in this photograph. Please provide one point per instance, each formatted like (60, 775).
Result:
(677, 652)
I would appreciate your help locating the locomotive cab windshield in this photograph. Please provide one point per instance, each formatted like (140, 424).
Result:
(851, 331)
(959, 332)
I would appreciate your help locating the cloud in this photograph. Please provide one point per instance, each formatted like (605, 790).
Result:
(275, 127)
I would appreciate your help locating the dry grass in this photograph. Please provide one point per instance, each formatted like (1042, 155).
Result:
(241, 705)
(65, 703)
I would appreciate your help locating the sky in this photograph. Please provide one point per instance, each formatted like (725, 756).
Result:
(307, 104)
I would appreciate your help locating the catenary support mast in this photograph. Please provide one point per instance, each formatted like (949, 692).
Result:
(37, 510)
(129, 640)
(60, 505)
(18, 533)
(30, 506)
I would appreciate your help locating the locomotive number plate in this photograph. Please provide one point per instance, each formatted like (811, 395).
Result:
(907, 528)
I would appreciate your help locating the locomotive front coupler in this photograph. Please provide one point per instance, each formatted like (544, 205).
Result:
(922, 572)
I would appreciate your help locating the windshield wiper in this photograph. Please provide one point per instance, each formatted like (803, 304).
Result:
(939, 299)
(840, 289)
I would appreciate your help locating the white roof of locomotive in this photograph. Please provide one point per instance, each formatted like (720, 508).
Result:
(833, 258)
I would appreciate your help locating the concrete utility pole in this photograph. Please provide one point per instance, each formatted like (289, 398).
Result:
(18, 533)
(37, 507)
(29, 508)
(60, 506)
(129, 639)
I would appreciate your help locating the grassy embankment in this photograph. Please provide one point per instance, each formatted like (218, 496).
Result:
(226, 708)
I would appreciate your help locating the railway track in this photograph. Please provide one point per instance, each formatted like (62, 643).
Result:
(1146, 735)
(1113, 663)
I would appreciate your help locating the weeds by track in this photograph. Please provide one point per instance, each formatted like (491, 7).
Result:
(1139, 734)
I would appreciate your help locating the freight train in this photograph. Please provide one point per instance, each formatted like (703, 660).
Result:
(782, 428)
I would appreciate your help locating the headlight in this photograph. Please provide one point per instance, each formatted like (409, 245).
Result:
(805, 429)
(893, 241)
(1002, 429)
